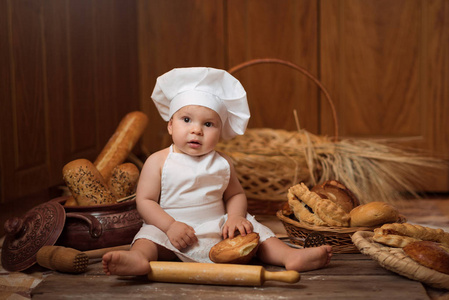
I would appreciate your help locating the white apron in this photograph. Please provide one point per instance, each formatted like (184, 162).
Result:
(192, 192)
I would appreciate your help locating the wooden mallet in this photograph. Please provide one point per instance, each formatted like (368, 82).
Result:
(70, 260)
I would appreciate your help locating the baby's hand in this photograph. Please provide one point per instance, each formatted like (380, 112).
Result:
(181, 235)
(236, 223)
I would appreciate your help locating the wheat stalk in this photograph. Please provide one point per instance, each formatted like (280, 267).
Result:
(269, 161)
(372, 170)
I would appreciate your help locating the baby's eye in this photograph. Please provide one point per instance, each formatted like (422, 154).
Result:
(186, 119)
(208, 124)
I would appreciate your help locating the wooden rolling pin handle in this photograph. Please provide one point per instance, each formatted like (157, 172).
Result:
(282, 276)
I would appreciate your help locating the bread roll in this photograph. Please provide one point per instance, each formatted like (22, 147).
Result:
(373, 214)
(86, 183)
(238, 250)
(337, 193)
(121, 143)
(429, 254)
(123, 180)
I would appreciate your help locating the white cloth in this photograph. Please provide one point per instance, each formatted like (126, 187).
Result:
(209, 87)
(192, 192)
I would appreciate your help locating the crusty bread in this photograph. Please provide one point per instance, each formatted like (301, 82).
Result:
(301, 211)
(123, 180)
(405, 231)
(71, 201)
(373, 214)
(337, 193)
(238, 250)
(429, 254)
(86, 183)
(121, 143)
(393, 240)
(332, 213)
(314, 209)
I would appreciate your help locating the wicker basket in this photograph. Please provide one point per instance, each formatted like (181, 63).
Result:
(269, 161)
(338, 237)
(394, 259)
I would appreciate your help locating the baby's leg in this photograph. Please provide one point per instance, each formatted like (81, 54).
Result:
(132, 262)
(275, 252)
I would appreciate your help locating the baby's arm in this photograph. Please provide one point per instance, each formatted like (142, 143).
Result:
(148, 189)
(236, 207)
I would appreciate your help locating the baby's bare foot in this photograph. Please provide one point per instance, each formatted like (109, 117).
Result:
(309, 258)
(125, 263)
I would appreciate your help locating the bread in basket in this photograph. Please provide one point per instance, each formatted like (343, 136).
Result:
(328, 212)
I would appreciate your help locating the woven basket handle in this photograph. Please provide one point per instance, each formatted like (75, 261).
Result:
(298, 68)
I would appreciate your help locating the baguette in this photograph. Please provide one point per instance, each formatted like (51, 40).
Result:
(86, 183)
(121, 143)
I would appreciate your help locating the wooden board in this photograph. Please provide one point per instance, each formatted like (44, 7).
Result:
(348, 276)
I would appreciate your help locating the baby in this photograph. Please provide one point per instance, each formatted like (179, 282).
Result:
(188, 194)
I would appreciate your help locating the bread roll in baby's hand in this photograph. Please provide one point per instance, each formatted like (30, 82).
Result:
(238, 250)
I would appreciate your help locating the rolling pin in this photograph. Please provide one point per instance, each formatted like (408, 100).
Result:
(218, 274)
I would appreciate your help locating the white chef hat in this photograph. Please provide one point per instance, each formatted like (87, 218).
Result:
(213, 88)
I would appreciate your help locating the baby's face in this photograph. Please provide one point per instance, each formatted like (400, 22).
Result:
(195, 130)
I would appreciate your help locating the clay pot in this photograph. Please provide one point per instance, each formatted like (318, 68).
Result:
(99, 226)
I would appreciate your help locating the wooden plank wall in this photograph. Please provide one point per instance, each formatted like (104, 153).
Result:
(69, 73)
(385, 64)
(70, 69)
(223, 34)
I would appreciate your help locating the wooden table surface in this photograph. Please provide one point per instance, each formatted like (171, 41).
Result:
(349, 276)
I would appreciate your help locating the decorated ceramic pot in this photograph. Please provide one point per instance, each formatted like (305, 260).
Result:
(99, 226)
(79, 227)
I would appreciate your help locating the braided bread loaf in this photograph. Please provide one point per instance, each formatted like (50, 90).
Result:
(308, 206)
(400, 235)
